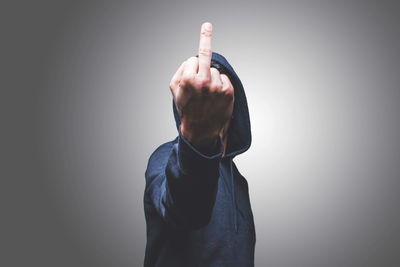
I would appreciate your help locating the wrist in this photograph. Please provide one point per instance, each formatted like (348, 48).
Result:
(204, 142)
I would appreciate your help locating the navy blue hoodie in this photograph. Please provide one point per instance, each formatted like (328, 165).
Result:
(197, 205)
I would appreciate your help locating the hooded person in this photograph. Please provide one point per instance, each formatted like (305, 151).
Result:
(197, 205)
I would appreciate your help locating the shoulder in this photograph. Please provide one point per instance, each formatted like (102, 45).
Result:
(242, 179)
(235, 169)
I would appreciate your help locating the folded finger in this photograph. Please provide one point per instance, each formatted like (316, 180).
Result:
(191, 67)
(177, 76)
(226, 83)
(216, 82)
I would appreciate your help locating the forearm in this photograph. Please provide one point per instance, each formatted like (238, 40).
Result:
(192, 179)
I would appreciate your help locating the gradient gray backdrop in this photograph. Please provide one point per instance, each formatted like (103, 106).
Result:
(88, 101)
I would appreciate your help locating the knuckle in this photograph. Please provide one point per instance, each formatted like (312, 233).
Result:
(187, 79)
(172, 83)
(205, 52)
(202, 82)
(212, 69)
(206, 33)
(203, 78)
(228, 92)
(226, 79)
(216, 87)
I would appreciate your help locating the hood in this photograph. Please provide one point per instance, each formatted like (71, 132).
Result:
(239, 132)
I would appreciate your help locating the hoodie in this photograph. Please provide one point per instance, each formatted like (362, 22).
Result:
(197, 205)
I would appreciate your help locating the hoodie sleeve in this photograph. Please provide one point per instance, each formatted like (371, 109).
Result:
(181, 183)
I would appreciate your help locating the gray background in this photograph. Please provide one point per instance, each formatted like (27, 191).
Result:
(85, 101)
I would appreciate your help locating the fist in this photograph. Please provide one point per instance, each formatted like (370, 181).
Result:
(203, 97)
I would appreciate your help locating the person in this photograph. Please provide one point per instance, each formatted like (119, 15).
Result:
(196, 202)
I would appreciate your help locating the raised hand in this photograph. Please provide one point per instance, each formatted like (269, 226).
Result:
(203, 97)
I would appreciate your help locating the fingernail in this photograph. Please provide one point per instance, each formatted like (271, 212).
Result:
(208, 26)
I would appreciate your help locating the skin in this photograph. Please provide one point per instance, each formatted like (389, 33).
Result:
(203, 97)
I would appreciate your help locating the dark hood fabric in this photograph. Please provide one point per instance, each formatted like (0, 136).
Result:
(197, 206)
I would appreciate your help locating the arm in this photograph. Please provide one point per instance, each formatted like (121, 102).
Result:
(183, 188)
